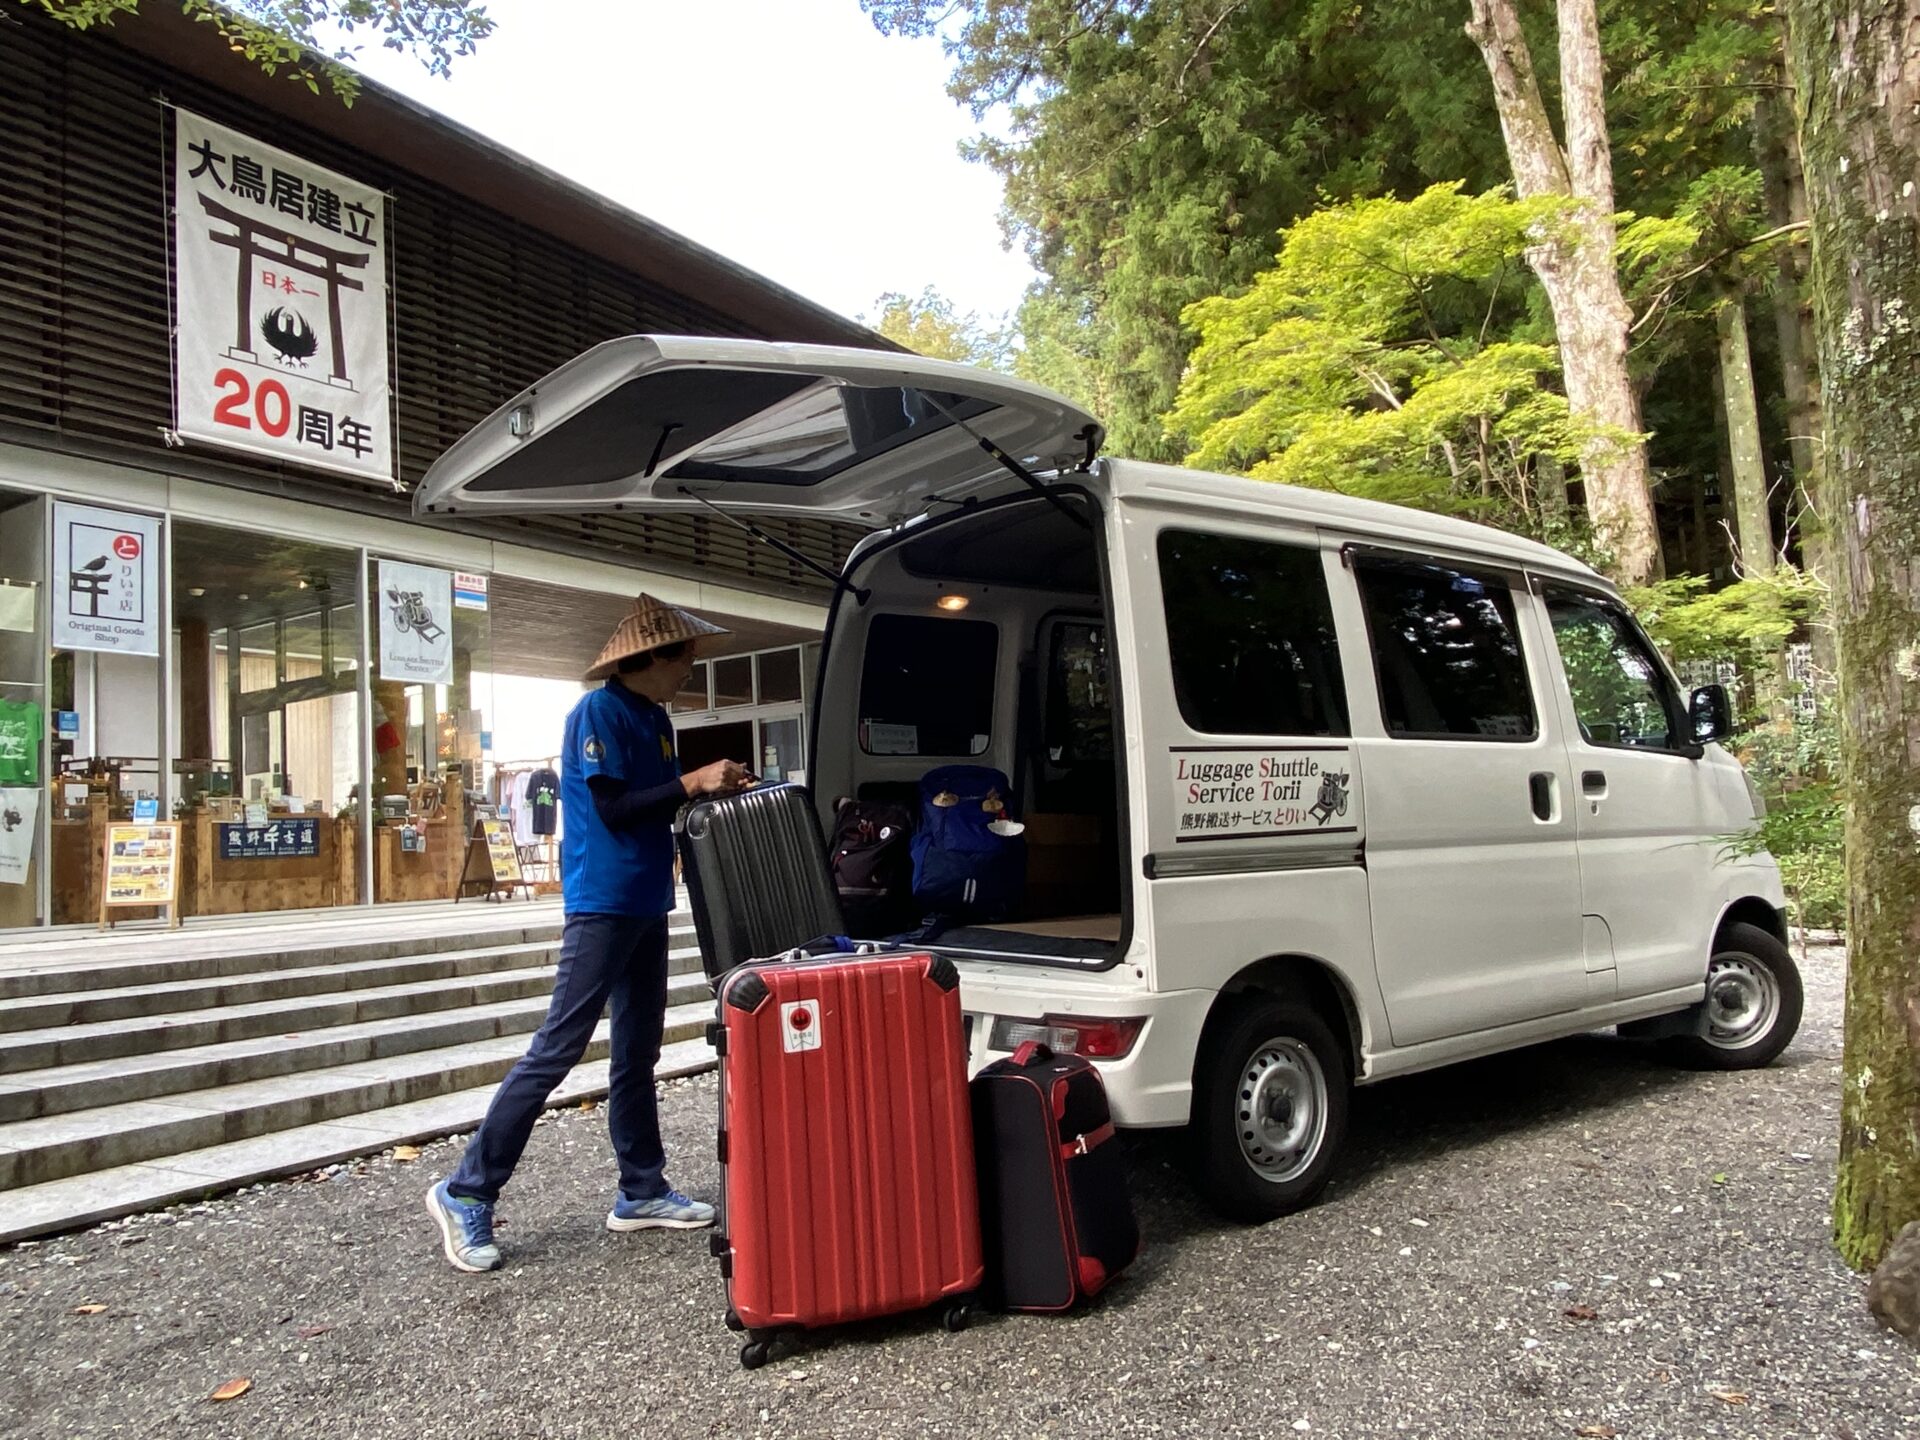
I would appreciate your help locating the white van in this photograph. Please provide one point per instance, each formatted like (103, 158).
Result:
(1317, 790)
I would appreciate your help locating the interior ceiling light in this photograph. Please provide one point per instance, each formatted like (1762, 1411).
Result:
(197, 591)
(952, 602)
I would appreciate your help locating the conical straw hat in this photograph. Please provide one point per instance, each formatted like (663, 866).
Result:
(652, 624)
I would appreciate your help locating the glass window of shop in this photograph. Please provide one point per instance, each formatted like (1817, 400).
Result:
(267, 653)
(23, 711)
(432, 697)
(748, 708)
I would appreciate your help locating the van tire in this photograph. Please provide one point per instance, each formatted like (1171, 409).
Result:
(1269, 1110)
(1753, 1003)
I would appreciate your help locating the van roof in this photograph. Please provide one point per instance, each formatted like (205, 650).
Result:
(1365, 520)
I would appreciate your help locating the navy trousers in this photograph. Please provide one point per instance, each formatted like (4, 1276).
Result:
(617, 958)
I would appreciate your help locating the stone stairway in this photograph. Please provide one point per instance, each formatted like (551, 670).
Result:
(144, 1070)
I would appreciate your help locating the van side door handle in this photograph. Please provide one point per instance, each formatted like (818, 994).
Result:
(1540, 786)
(1593, 782)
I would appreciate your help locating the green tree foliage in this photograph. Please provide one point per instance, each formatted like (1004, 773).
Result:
(312, 39)
(1747, 622)
(1392, 351)
(927, 324)
(1152, 149)
(1793, 759)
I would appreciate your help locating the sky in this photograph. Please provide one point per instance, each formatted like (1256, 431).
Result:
(788, 135)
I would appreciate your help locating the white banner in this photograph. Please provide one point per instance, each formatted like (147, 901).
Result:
(281, 304)
(416, 624)
(18, 810)
(1239, 794)
(106, 581)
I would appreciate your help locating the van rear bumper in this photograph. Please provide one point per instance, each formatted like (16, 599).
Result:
(1152, 1085)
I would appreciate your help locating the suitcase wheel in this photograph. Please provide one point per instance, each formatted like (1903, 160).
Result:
(735, 1323)
(957, 1317)
(755, 1353)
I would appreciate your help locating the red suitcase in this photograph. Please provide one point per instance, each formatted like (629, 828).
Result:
(846, 1145)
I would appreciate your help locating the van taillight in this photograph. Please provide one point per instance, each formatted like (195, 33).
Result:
(1091, 1036)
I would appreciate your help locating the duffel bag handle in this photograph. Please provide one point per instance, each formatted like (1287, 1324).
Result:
(1032, 1052)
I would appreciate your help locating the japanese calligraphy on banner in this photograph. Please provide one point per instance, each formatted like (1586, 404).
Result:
(106, 580)
(416, 624)
(273, 841)
(281, 306)
(1240, 794)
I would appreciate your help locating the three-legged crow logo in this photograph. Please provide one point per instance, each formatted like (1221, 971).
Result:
(1333, 796)
(290, 336)
(410, 612)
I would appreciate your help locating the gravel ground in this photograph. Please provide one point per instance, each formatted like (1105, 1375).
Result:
(1570, 1241)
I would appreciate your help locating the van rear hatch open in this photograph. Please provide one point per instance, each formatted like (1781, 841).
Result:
(664, 422)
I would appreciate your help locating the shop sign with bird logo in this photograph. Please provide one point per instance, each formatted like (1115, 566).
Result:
(281, 343)
(106, 589)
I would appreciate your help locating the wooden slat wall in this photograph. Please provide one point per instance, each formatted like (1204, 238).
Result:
(483, 304)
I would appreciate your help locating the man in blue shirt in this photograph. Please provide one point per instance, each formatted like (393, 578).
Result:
(620, 788)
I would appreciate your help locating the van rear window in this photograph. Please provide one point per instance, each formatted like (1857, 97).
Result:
(927, 686)
(1250, 630)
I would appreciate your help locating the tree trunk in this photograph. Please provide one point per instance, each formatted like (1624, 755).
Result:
(1753, 523)
(1576, 268)
(1856, 69)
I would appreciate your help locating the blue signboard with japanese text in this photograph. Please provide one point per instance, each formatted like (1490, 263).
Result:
(276, 840)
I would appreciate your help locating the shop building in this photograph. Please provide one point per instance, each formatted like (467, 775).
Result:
(215, 605)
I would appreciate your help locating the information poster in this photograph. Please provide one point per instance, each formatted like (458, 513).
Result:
(281, 342)
(416, 624)
(106, 580)
(141, 864)
(19, 809)
(501, 855)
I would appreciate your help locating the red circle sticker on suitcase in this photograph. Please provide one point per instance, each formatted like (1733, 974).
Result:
(800, 1025)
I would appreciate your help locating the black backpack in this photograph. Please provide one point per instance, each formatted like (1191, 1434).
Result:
(872, 865)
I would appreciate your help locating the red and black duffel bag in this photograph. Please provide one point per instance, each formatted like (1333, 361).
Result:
(1055, 1215)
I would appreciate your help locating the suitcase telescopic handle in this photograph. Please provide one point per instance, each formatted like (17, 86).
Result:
(1031, 1052)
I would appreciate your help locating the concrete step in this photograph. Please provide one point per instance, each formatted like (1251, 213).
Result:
(117, 962)
(152, 1034)
(37, 1012)
(125, 1189)
(58, 1147)
(175, 959)
(78, 1043)
(63, 1089)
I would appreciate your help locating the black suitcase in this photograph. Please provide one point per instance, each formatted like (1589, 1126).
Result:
(1055, 1215)
(756, 873)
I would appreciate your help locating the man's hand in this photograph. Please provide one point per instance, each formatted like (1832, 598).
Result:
(717, 778)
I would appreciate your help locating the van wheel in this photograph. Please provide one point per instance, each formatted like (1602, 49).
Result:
(1752, 1007)
(1270, 1111)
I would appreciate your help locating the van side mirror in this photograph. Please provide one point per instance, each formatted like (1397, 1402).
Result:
(1712, 714)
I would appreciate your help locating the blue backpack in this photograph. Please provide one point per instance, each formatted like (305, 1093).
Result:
(962, 870)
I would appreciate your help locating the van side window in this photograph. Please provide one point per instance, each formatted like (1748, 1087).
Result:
(1250, 629)
(1446, 649)
(1620, 695)
(927, 686)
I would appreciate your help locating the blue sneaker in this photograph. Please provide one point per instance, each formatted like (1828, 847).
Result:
(466, 1230)
(671, 1211)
